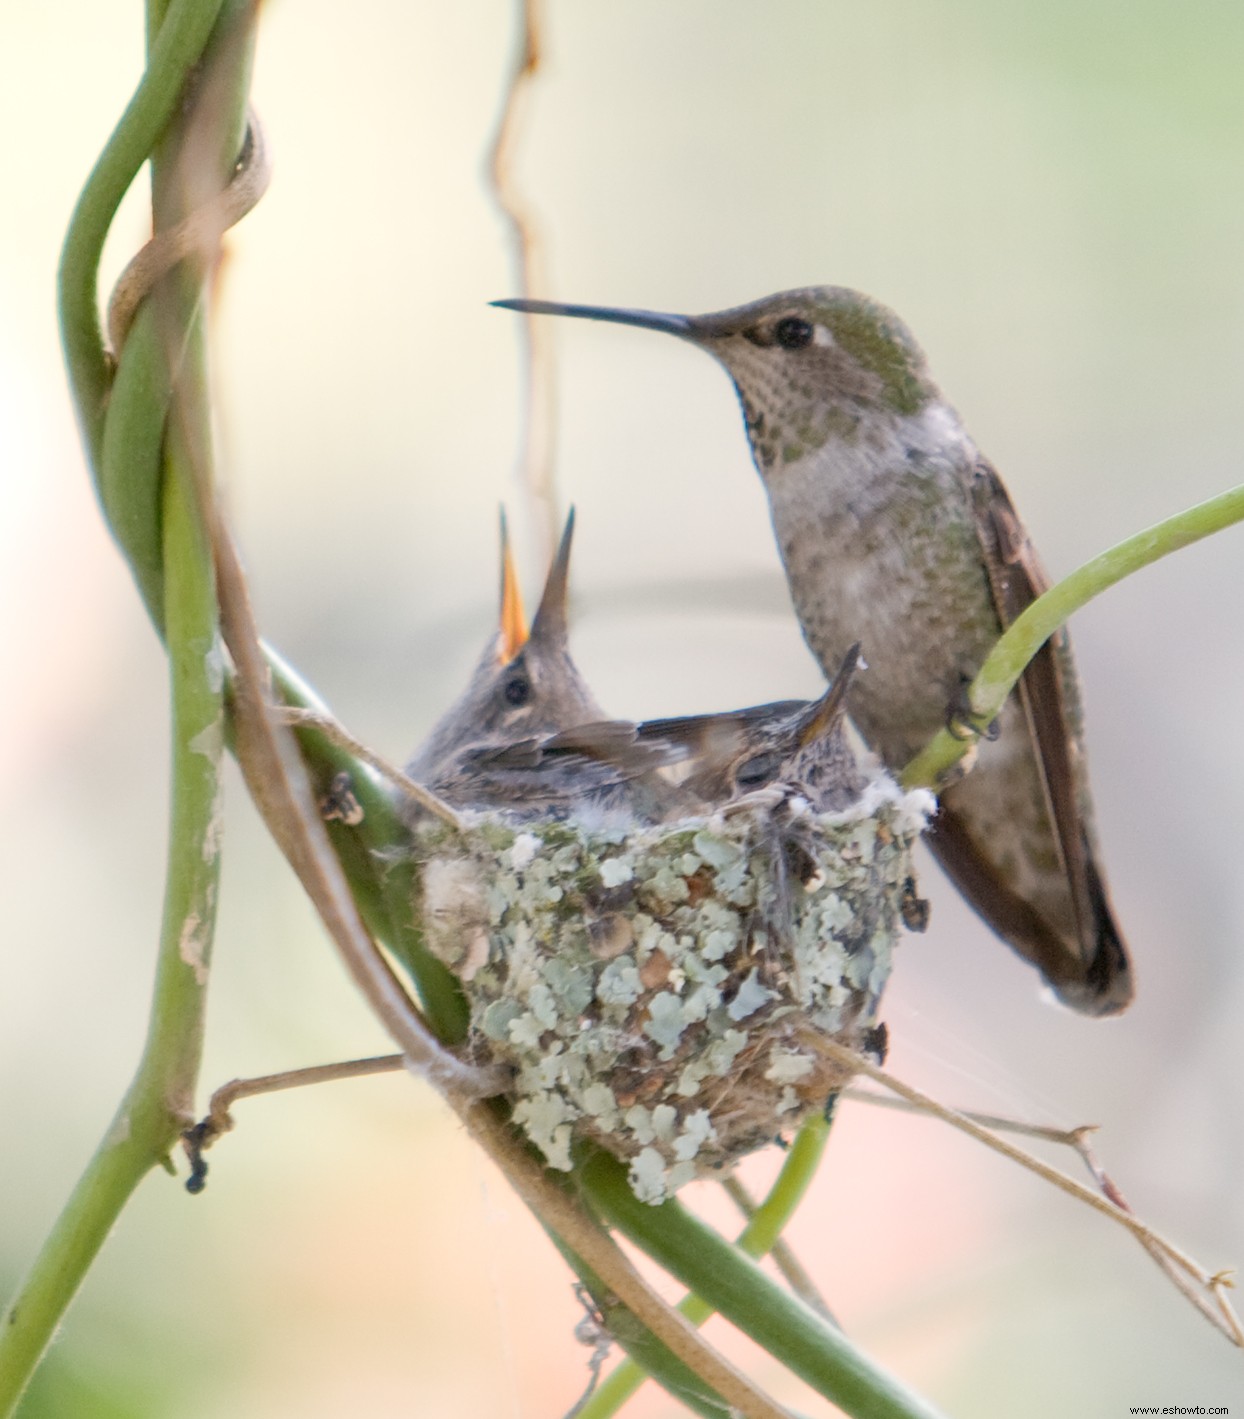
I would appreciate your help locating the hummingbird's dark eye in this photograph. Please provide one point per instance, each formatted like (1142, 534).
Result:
(792, 332)
(517, 690)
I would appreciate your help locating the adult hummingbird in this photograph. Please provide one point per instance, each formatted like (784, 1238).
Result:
(895, 530)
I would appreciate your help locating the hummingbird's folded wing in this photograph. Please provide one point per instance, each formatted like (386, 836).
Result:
(597, 766)
(603, 745)
(694, 729)
(1098, 972)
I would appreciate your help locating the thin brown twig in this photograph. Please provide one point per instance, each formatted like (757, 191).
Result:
(336, 733)
(1186, 1273)
(218, 1120)
(1077, 1140)
(196, 235)
(219, 1117)
(536, 472)
(1073, 1138)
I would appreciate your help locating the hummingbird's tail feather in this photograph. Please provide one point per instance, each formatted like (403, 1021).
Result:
(689, 729)
(1109, 973)
(1092, 976)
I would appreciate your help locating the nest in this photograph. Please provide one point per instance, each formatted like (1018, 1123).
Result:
(665, 991)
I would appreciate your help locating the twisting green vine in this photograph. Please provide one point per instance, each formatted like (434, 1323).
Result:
(175, 571)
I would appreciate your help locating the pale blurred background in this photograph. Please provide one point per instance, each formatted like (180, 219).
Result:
(1052, 195)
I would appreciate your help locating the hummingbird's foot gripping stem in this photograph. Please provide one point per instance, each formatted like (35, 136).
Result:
(963, 723)
(341, 803)
(913, 908)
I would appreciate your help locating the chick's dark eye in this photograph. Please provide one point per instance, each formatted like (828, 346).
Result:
(792, 332)
(517, 690)
(759, 769)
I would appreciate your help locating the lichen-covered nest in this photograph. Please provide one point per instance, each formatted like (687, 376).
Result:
(664, 990)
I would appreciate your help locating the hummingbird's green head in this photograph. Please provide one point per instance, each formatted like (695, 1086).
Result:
(809, 365)
(813, 365)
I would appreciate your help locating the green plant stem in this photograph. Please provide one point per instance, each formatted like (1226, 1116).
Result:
(177, 45)
(803, 1158)
(157, 1104)
(131, 459)
(735, 1286)
(756, 1240)
(1029, 632)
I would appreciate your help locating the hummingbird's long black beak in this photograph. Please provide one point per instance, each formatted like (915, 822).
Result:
(681, 325)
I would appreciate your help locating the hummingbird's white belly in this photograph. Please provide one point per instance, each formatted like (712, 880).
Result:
(880, 546)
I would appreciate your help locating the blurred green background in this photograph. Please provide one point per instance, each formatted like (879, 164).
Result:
(1052, 195)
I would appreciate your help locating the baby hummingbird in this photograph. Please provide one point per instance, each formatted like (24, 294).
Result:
(527, 734)
(796, 743)
(894, 528)
(525, 683)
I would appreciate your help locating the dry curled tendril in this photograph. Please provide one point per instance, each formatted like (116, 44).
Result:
(198, 234)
